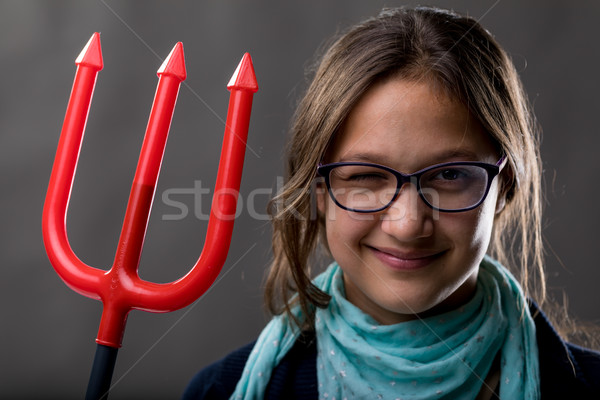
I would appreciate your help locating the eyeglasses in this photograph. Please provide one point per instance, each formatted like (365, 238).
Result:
(448, 187)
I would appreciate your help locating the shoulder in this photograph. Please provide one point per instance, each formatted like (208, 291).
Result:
(218, 380)
(295, 377)
(566, 370)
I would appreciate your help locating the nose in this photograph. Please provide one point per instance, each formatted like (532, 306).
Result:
(408, 217)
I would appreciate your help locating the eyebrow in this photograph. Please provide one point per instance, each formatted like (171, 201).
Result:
(443, 156)
(367, 157)
(466, 154)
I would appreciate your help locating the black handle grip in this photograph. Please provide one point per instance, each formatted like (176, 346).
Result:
(102, 371)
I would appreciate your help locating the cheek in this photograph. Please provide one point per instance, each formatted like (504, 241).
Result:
(487, 214)
(345, 229)
(478, 224)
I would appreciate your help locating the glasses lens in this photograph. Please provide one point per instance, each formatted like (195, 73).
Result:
(454, 187)
(361, 187)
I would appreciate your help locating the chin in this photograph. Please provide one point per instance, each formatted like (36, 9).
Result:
(422, 303)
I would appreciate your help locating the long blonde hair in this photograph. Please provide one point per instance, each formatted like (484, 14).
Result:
(421, 43)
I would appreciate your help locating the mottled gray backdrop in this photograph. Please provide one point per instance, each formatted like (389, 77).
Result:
(48, 331)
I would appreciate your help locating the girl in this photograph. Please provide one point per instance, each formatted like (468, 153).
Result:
(418, 147)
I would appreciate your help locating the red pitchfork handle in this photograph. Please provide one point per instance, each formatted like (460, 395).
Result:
(120, 288)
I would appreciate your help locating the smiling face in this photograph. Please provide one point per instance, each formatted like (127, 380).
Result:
(409, 259)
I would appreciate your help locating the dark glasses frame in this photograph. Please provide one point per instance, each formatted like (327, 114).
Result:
(493, 170)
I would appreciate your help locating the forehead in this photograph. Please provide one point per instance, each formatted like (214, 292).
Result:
(410, 124)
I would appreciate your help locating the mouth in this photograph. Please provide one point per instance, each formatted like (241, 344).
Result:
(406, 260)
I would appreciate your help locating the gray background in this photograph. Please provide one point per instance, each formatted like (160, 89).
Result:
(48, 331)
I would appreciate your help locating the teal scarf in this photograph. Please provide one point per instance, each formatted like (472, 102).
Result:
(446, 356)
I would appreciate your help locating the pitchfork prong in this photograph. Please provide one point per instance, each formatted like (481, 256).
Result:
(79, 276)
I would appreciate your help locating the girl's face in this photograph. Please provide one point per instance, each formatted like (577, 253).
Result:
(409, 259)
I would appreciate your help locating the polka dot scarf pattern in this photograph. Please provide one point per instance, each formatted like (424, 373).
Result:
(446, 356)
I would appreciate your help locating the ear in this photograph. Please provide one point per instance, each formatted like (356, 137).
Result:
(505, 182)
(321, 197)
(501, 196)
(500, 202)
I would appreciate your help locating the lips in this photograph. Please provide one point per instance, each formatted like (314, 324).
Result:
(405, 260)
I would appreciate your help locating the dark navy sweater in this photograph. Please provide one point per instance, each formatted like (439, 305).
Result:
(567, 371)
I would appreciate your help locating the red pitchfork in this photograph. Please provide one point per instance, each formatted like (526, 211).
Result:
(120, 288)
